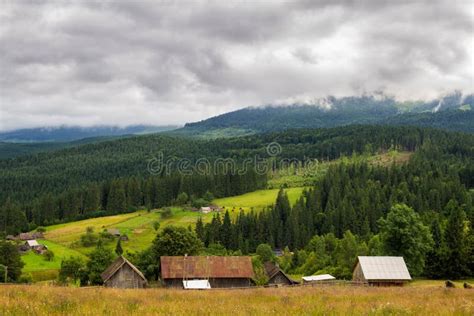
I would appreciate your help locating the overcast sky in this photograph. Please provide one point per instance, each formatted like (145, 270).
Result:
(138, 62)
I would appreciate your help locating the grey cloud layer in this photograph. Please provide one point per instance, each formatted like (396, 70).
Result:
(130, 62)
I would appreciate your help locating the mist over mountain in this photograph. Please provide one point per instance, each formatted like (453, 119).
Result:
(71, 133)
(453, 112)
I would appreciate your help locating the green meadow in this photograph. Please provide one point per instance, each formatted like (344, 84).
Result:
(63, 239)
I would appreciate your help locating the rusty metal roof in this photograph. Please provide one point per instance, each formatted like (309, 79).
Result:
(206, 267)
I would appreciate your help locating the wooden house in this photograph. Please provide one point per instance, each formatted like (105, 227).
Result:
(221, 272)
(276, 276)
(381, 271)
(34, 246)
(114, 232)
(123, 274)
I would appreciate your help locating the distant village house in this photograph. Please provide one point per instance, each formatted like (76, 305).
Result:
(209, 209)
(34, 245)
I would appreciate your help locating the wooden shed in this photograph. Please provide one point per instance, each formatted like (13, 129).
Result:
(381, 271)
(221, 272)
(276, 276)
(123, 274)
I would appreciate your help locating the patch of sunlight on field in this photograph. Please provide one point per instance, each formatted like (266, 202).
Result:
(141, 232)
(257, 199)
(138, 226)
(39, 268)
(70, 232)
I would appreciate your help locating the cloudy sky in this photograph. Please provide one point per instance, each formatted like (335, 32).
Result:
(133, 62)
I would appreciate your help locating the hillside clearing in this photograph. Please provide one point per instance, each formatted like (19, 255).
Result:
(39, 300)
(257, 199)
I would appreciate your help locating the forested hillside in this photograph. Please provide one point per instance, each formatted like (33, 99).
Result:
(422, 210)
(452, 112)
(115, 176)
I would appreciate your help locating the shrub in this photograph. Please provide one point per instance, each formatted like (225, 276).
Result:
(48, 255)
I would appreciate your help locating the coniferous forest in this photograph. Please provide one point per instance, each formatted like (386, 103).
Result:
(354, 208)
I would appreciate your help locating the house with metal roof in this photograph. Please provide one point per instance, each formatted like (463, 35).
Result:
(381, 271)
(123, 274)
(220, 272)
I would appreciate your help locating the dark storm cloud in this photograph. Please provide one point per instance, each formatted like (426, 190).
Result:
(129, 62)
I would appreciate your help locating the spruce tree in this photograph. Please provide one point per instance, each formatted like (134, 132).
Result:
(455, 242)
(118, 248)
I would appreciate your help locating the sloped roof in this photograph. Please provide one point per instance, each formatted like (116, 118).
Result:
(272, 269)
(196, 284)
(113, 231)
(206, 267)
(321, 277)
(32, 243)
(384, 268)
(116, 265)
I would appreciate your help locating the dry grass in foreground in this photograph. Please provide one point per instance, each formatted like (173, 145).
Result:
(334, 300)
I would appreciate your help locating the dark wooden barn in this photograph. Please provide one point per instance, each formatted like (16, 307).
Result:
(276, 276)
(381, 271)
(222, 272)
(123, 274)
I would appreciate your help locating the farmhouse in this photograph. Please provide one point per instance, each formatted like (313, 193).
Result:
(35, 246)
(114, 232)
(210, 208)
(221, 272)
(123, 274)
(276, 276)
(381, 271)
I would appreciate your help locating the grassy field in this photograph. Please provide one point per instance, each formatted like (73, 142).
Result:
(138, 226)
(257, 199)
(39, 269)
(329, 300)
(303, 177)
(63, 239)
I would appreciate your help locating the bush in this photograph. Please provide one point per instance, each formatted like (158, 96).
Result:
(89, 238)
(48, 255)
(26, 278)
(265, 252)
(41, 229)
(198, 203)
(166, 213)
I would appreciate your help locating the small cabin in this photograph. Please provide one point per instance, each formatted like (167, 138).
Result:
(114, 232)
(123, 274)
(276, 276)
(220, 272)
(34, 246)
(381, 271)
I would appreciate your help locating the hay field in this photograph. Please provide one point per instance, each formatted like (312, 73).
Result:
(331, 300)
